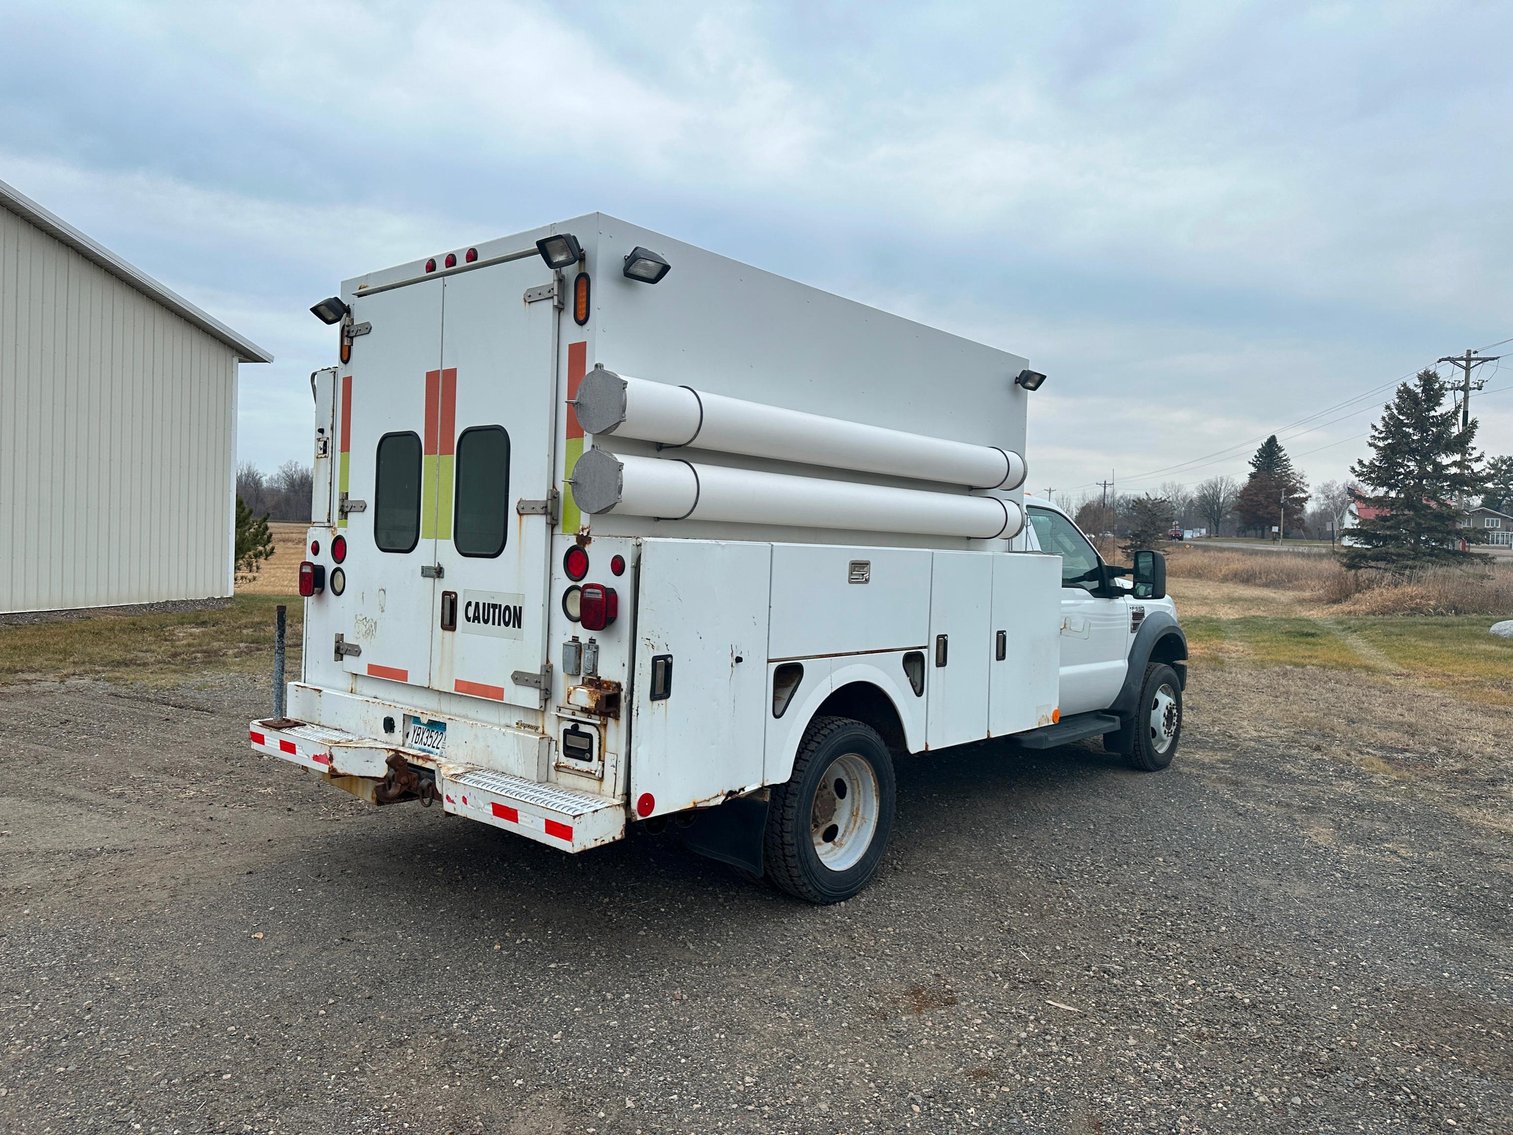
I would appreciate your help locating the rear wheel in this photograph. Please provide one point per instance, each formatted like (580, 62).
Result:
(828, 827)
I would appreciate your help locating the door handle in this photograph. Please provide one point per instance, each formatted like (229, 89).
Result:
(1002, 649)
(449, 610)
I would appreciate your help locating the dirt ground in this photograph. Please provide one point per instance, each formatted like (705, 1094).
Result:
(1303, 925)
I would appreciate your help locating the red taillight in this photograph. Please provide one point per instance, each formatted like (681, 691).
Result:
(451, 260)
(598, 606)
(431, 264)
(646, 804)
(339, 549)
(472, 255)
(617, 565)
(312, 578)
(575, 563)
(315, 547)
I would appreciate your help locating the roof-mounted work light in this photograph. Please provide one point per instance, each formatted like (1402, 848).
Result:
(330, 311)
(645, 265)
(1029, 379)
(559, 251)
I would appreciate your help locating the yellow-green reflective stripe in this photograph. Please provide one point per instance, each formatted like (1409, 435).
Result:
(572, 519)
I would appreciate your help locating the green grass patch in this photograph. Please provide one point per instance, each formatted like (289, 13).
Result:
(1455, 654)
(157, 648)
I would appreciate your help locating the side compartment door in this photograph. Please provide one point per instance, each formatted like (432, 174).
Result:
(490, 449)
(381, 409)
(956, 662)
(1026, 650)
(700, 688)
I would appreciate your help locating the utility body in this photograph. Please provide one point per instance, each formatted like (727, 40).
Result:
(609, 529)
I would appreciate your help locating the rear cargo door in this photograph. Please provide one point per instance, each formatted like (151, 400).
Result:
(493, 461)
(389, 591)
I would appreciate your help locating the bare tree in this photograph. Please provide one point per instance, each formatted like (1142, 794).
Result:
(1181, 500)
(292, 484)
(1214, 500)
(252, 489)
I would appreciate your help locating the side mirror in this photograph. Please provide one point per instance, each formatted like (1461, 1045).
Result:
(1150, 575)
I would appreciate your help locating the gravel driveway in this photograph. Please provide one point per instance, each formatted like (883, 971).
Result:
(1271, 936)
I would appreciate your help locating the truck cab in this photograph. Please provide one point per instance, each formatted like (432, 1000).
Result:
(1117, 626)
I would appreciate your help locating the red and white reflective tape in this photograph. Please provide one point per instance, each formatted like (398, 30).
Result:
(477, 805)
(291, 751)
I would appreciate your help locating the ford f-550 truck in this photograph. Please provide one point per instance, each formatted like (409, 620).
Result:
(609, 529)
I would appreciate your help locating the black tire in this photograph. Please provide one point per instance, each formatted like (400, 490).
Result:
(802, 814)
(1149, 741)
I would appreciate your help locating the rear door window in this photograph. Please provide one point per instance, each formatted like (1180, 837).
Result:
(396, 493)
(482, 513)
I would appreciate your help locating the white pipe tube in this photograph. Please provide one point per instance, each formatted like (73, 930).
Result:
(610, 403)
(671, 489)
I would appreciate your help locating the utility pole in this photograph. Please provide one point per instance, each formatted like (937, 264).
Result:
(1106, 486)
(1467, 363)
(1282, 520)
(1050, 495)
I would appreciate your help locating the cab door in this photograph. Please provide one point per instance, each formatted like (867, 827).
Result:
(496, 389)
(1094, 627)
(388, 584)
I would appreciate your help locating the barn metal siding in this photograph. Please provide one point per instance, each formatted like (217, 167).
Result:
(117, 437)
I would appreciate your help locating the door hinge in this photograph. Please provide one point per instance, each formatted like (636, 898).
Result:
(343, 647)
(548, 507)
(431, 571)
(347, 505)
(358, 329)
(541, 681)
(552, 291)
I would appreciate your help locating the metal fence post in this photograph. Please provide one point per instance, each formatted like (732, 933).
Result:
(278, 662)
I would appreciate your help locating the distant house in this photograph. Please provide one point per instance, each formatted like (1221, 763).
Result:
(1355, 512)
(1498, 526)
(117, 426)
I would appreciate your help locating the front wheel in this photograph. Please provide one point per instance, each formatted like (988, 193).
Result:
(1150, 740)
(827, 828)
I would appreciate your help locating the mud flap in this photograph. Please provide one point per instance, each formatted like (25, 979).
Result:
(733, 833)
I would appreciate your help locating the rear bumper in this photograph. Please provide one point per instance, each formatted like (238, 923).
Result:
(566, 820)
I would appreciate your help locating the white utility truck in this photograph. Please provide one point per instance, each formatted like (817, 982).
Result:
(609, 529)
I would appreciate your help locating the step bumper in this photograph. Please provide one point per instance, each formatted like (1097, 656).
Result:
(546, 813)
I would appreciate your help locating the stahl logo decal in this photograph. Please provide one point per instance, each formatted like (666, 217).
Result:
(495, 613)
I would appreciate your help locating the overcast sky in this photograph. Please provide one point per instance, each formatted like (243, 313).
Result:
(1204, 221)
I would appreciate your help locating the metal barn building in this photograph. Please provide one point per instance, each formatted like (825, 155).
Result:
(117, 426)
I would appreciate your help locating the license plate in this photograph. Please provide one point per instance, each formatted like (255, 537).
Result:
(427, 736)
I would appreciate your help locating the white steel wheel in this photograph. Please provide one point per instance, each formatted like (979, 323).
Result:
(828, 826)
(1157, 725)
(846, 808)
(1163, 718)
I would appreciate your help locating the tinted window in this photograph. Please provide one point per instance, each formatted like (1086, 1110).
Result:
(1059, 535)
(483, 491)
(396, 493)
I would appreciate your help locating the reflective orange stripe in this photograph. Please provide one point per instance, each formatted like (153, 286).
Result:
(392, 673)
(577, 367)
(447, 442)
(433, 409)
(479, 689)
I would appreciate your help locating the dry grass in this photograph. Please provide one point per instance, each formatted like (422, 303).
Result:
(280, 575)
(156, 648)
(1438, 591)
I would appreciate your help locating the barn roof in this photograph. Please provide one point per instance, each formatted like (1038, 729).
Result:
(10, 198)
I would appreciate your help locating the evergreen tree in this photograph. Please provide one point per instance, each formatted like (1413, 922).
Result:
(1150, 519)
(1274, 490)
(254, 542)
(1423, 464)
(1497, 484)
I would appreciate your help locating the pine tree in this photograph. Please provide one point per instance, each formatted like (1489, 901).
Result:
(1424, 464)
(1274, 490)
(254, 542)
